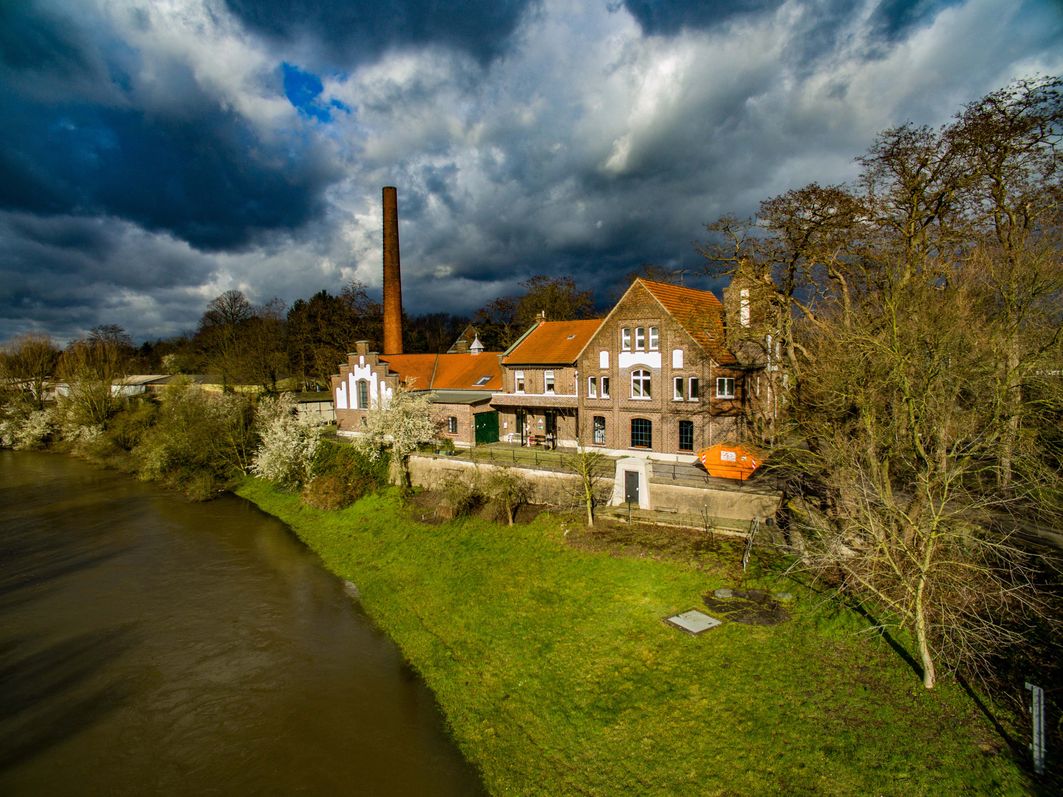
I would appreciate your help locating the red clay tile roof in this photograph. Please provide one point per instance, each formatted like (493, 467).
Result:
(447, 371)
(553, 342)
(700, 314)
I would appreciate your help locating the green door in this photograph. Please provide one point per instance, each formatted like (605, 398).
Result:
(486, 427)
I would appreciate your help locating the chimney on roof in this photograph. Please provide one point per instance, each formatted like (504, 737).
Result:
(392, 279)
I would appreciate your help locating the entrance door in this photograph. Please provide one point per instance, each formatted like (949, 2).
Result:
(551, 427)
(631, 487)
(522, 423)
(486, 427)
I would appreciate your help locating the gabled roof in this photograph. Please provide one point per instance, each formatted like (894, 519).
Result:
(552, 343)
(446, 371)
(699, 313)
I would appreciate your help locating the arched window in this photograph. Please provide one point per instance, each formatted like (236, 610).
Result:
(640, 384)
(641, 433)
(363, 394)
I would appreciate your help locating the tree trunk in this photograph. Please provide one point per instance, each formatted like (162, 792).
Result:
(929, 674)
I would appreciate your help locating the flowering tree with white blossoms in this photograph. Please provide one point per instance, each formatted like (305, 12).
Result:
(403, 424)
(289, 442)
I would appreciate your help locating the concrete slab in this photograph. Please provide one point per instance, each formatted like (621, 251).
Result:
(693, 622)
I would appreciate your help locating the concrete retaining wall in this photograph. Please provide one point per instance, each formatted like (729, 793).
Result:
(563, 488)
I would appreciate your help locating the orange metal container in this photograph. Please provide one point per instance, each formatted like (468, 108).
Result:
(728, 461)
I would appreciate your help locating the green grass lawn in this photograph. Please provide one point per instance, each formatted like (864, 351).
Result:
(558, 677)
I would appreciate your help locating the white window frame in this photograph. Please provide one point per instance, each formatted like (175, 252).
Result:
(644, 379)
(677, 388)
(725, 393)
(548, 381)
(640, 338)
(604, 392)
(693, 388)
(592, 387)
(518, 381)
(625, 339)
(596, 438)
(655, 338)
(452, 424)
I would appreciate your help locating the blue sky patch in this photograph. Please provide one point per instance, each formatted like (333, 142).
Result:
(303, 90)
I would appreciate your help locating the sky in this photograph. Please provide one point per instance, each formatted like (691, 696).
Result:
(157, 153)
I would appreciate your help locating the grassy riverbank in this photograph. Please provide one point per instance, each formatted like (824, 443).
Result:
(558, 677)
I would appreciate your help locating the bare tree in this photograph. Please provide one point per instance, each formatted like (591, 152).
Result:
(591, 468)
(509, 490)
(26, 365)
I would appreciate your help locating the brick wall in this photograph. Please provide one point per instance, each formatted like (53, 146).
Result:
(713, 419)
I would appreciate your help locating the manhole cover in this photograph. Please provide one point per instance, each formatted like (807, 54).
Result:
(693, 622)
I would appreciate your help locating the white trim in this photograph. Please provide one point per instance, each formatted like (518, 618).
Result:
(677, 358)
(629, 359)
(603, 359)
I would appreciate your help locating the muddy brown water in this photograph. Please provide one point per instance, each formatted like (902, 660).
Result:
(153, 646)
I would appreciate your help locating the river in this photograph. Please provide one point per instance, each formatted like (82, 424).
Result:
(153, 646)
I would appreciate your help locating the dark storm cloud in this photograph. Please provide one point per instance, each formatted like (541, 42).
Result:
(189, 165)
(357, 31)
(66, 274)
(891, 18)
(668, 17)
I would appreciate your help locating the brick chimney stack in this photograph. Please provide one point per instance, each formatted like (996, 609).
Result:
(392, 280)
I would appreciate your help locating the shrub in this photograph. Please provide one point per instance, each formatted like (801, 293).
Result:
(199, 441)
(127, 427)
(27, 430)
(508, 490)
(461, 494)
(329, 492)
(289, 442)
(350, 463)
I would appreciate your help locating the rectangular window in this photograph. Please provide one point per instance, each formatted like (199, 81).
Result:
(677, 388)
(640, 339)
(363, 394)
(605, 386)
(518, 379)
(654, 338)
(641, 433)
(599, 430)
(548, 380)
(686, 435)
(625, 339)
(452, 425)
(592, 387)
(692, 393)
(725, 387)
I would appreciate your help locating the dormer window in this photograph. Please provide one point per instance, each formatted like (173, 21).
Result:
(518, 381)
(548, 380)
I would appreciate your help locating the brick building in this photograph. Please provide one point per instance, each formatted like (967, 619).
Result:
(657, 378)
(459, 386)
(540, 395)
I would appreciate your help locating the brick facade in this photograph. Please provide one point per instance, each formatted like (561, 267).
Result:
(655, 351)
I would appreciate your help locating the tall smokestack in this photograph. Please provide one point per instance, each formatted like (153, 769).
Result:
(392, 280)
